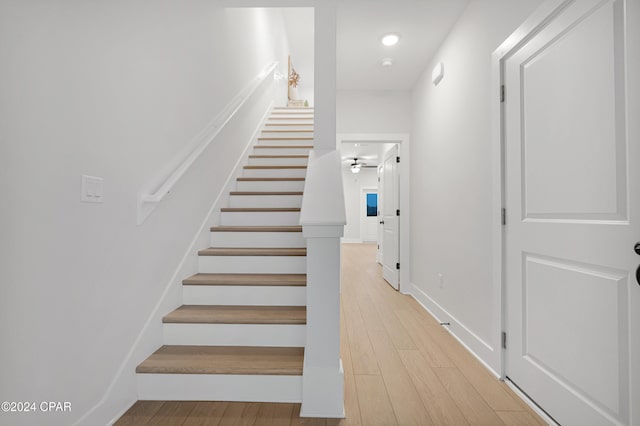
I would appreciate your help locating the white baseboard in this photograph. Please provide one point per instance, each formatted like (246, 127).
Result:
(122, 388)
(484, 352)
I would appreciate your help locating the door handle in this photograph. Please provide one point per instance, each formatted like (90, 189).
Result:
(382, 222)
(638, 275)
(636, 248)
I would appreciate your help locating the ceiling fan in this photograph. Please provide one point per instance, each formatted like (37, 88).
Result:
(356, 164)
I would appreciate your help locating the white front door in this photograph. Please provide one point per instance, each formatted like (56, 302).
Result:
(572, 198)
(390, 205)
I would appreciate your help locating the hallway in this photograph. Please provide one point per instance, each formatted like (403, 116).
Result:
(400, 366)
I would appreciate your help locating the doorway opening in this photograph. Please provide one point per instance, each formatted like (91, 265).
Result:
(364, 173)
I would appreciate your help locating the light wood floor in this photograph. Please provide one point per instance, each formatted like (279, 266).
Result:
(401, 368)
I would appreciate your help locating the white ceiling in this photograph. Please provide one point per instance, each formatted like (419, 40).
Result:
(422, 25)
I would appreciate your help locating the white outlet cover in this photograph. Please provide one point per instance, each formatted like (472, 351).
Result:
(91, 190)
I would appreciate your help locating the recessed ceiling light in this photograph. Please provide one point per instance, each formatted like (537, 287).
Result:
(390, 39)
(386, 62)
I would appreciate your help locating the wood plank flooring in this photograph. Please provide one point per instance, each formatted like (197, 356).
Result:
(401, 368)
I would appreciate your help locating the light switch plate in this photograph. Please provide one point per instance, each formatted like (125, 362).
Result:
(91, 189)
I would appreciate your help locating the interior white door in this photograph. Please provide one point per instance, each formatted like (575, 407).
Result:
(391, 221)
(572, 219)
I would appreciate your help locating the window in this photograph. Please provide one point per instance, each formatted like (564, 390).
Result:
(372, 204)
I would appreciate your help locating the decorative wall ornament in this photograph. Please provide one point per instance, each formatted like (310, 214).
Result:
(294, 78)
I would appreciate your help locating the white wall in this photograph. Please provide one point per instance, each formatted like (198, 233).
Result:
(299, 23)
(371, 111)
(451, 174)
(353, 184)
(113, 89)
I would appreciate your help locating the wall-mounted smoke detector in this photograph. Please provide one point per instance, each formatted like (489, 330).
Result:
(386, 62)
(390, 39)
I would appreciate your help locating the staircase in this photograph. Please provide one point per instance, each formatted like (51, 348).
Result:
(240, 334)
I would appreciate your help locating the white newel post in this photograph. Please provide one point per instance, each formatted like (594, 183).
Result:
(323, 219)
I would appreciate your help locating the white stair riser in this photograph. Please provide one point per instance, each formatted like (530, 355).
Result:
(236, 295)
(293, 114)
(284, 142)
(219, 387)
(276, 126)
(252, 264)
(282, 335)
(265, 200)
(266, 150)
(267, 185)
(278, 161)
(274, 172)
(294, 108)
(306, 133)
(257, 239)
(260, 218)
(302, 120)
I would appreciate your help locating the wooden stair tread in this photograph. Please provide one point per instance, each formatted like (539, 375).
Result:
(295, 228)
(297, 280)
(290, 118)
(224, 360)
(278, 156)
(253, 251)
(292, 107)
(288, 124)
(292, 112)
(275, 167)
(305, 138)
(266, 193)
(226, 314)
(287, 131)
(252, 179)
(282, 146)
(259, 209)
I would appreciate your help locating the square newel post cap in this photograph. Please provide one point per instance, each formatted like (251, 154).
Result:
(323, 231)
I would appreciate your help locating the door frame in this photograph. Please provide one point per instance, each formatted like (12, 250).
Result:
(531, 26)
(403, 141)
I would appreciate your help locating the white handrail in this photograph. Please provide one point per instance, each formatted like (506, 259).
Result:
(208, 136)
